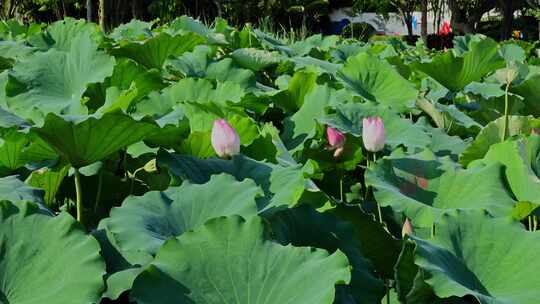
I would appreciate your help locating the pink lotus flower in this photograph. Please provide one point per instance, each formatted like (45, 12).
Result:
(407, 228)
(336, 140)
(225, 140)
(373, 134)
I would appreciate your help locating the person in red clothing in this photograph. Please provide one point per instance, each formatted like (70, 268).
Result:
(446, 29)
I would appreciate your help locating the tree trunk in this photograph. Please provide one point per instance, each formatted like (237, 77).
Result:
(89, 10)
(508, 18)
(135, 9)
(423, 30)
(408, 21)
(102, 15)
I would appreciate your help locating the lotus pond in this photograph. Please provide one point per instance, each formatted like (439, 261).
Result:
(187, 163)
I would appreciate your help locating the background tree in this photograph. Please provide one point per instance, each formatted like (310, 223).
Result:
(534, 10)
(466, 14)
(424, 29)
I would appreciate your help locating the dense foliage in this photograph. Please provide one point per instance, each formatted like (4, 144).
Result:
(111, 189)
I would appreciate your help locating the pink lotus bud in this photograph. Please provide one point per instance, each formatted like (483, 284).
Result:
(407, 228)
(373, 134)
(225, 140)
(335, 138)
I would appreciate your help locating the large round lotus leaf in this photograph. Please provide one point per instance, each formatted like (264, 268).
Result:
(457, 72)
(492, 133)
(254, 59)
(18, 149)
(519, 157)
(303, 226)
(422, 187)
(475, 254)
(84, 142)
(153, 52)
(47, 260)
(230, 260)
(56, 80)
(282, 185)
(376, 80)
(144, 223)
(14, 190)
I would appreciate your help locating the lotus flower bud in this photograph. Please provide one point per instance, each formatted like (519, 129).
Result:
(534, 131)
(407, 228)
(225, 140)
(373, 134)
(336, 140)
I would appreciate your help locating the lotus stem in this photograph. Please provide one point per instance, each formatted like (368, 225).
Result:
(506, 102)
(78, 192)
(99, 189)
(387, 285)
(341, 189)
(378, 205)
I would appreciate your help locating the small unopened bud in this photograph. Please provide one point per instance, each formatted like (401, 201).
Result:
(336, 141)
(151, 166)
(407, 228)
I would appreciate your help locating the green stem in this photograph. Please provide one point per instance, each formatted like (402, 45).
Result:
(529, 219)
(341, 189)
(99, 189)
(535, 222)
(378, 205)
(78, 191)
(387, 285)
(506, 102)
(132, 186)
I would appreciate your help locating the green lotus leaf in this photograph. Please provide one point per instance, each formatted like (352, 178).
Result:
(319, 42)
(144, 223)
(230, 260)
(126, 72)
(153, 52)
(84, 141)
(422, 187)
(64, 34)
(14, 190)
(225, 70)
(377, 81)
(491, 261)
(38, 251)
(133, 30)
(321, 65)
(375, 242)
(50, 180)
(302, 124)
(254, 59)
(282, 186)
(18, 149)
(303, 226)
(192, 64)
(188, 24)
(528, 89)
(492, 133)
(455, 73)
(486, 90)
(518, 157)
(297, 88)
(56, 80)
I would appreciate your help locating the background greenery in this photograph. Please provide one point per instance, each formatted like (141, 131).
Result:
(284, 16)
